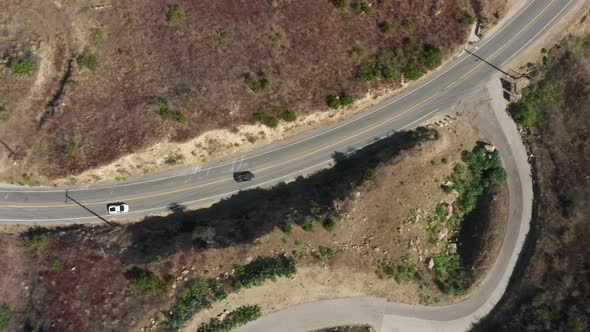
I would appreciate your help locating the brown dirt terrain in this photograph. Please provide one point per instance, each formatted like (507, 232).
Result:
(75, 278)
(550, 289)
(75, 118)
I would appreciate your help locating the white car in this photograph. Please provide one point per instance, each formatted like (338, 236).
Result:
(117, 208)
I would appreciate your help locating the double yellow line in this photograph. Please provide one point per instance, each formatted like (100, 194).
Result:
(344, 140)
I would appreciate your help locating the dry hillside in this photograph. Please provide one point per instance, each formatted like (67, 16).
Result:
(86, 82)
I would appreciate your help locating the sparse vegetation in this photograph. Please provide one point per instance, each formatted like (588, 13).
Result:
(54, 264)
(70, 148)
(174, 159)
(4, 116)
(386, 27)
(237, 317)
(340, 4)
(36, 241)
(175, 13)
(397, 272)
(287, 229)
(167, 113)
(21, 66)
(467, 19)
(222, 36)
(306, 225)
(5, 316)
(370, 175)
(257, 82)
(97, 35)
(145, 281)
(361, 7)
(86, 60)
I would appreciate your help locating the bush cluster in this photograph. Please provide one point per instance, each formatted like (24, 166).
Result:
(238, 317)
(336, 102)
(527, 111)
(195, 296)
(261, 270)
(270, 116)
(396, 272)
(257, 82)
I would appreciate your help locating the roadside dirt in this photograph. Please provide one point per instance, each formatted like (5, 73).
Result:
(97, 116)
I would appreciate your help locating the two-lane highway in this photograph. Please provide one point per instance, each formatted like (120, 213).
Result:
(298, 155)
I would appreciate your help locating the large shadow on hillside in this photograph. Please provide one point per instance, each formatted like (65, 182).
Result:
(249, 214)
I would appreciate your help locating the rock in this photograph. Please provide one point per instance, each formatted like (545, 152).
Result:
(185, 272)
(489, 148)
(430, 263)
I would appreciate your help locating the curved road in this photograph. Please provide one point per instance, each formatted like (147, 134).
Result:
(312, 151)
(302, 154)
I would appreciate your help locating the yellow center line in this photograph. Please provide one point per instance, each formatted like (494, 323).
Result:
(275, 165)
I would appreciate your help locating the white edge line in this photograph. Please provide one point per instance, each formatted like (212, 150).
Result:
(300, 172)
(538, 33)
(296, 142)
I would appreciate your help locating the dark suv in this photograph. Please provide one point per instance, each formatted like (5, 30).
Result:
(243, 176)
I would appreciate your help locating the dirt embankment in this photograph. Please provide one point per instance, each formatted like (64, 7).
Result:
(139, 76)
(353, 230)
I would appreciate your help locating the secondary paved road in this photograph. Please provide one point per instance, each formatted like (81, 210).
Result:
(302, 154)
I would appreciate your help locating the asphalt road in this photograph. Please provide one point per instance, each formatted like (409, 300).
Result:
(313, 150)
(298, 155)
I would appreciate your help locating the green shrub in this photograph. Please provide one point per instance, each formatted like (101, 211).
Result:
(459, 169)
(266, 119)
(289, 116)
(70, 148)
(21, 66)
(361, 7)
(449, 273)
(386, 27)
(145, 281)
(395, 272)
(4, 116)
(370, 69)
(340, 4)
(5, 315)
(326, 252)
(328, 224)
(192, 298)
(287, 229)
(333, 101)
(431, 56)
(345, 99)
(336, 102)
(166, 113)
(97, 35)
(467, 19)
(238, 317)
(306, 225)
(370, 175)
(54, 264)
(262, 269)
(222, 36)
(412, 72)
(390, 73)
(257, 82)
(87, 61)
(175, 13)
(36, 241)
